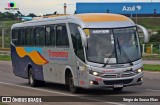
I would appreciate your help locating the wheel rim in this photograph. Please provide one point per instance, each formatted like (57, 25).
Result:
(30, 79)
(71, 82)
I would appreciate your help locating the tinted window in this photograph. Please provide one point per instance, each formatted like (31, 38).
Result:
(21, 36)
(32, 33)
(50, 35)
(28, 36)
(15, 36)
(76, 40)
(61, 36)
(40, 36)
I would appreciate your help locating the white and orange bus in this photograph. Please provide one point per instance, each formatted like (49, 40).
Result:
(83, 50)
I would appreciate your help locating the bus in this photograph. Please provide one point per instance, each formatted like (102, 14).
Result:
(87, 51)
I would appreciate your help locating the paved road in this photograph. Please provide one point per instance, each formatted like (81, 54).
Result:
(151, 62)
(11, 85)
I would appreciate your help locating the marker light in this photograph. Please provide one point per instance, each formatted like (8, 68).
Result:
(139, 70)
(91, 82)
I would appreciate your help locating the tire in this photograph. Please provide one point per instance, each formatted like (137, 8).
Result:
(32, 81)
(118, 89)
(72, 88)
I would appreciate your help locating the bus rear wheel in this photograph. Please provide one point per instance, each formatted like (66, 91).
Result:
(72, 88)
(32, 81)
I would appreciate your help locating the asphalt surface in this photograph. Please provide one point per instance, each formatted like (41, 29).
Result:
(157, 62)
(11, 85)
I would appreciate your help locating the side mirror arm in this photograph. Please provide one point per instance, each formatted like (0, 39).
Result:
(83, 37)
(145, 32)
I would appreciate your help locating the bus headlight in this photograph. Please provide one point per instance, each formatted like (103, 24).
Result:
(139, 70)
(95, 73)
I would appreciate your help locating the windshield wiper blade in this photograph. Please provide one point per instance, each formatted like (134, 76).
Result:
(121, 48)
(109, 58)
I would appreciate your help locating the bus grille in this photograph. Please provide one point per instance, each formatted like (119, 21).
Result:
(118, 75)
(112, 82)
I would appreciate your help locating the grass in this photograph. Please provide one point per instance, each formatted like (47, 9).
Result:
(149, 67)
(5, 57)
(1, 103)
(151, 57)
(149, 23)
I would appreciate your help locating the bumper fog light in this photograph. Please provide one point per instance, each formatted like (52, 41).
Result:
(93, 83)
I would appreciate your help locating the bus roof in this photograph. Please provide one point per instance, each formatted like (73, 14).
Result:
(101, 17)
(86, 19)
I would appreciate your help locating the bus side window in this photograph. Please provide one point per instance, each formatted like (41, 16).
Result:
(40, 36)
(48, 35)
(15, 36)
(27, 36)
(21, 37)
(76, 40)
(53, 35)
(32, 41)
(62, 36)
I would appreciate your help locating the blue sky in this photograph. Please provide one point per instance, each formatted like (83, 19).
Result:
(49, 6)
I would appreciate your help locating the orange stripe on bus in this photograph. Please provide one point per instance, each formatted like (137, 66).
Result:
(101, 17)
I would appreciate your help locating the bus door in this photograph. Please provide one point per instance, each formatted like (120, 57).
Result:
(79, 54)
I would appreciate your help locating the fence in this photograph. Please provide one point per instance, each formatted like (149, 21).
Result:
(5, 35)
(153, 48)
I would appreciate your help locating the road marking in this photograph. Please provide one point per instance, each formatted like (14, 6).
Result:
(153, 90)
(114, 103)
(37, 89)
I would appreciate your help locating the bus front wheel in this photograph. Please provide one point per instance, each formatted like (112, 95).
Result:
(72, 88)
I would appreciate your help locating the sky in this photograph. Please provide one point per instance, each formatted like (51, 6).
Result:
(41, 7)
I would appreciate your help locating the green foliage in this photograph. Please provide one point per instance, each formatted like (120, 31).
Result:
(155, 46)
(1, 103)
(148, 22)
(7, 26)
(32, 15)
(151, 67)
(5, 57)
(7, 16)
(155, 38)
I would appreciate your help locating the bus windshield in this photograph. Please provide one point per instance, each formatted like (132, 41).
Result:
(112, 46)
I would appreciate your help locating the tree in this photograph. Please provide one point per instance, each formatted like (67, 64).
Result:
(32, 15)
(155, 38)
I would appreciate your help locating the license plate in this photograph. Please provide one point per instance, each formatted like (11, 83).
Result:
(118, 85)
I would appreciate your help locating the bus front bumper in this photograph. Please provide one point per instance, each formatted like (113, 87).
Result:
(99, 82)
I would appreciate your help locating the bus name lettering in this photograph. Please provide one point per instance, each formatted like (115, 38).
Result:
(53, 54)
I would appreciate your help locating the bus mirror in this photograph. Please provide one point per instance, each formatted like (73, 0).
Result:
(145, 33)
(83, 37)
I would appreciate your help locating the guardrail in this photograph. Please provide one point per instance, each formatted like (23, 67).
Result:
(5, 53)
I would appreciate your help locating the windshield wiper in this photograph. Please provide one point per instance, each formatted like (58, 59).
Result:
(120, 47)
(106, 63)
